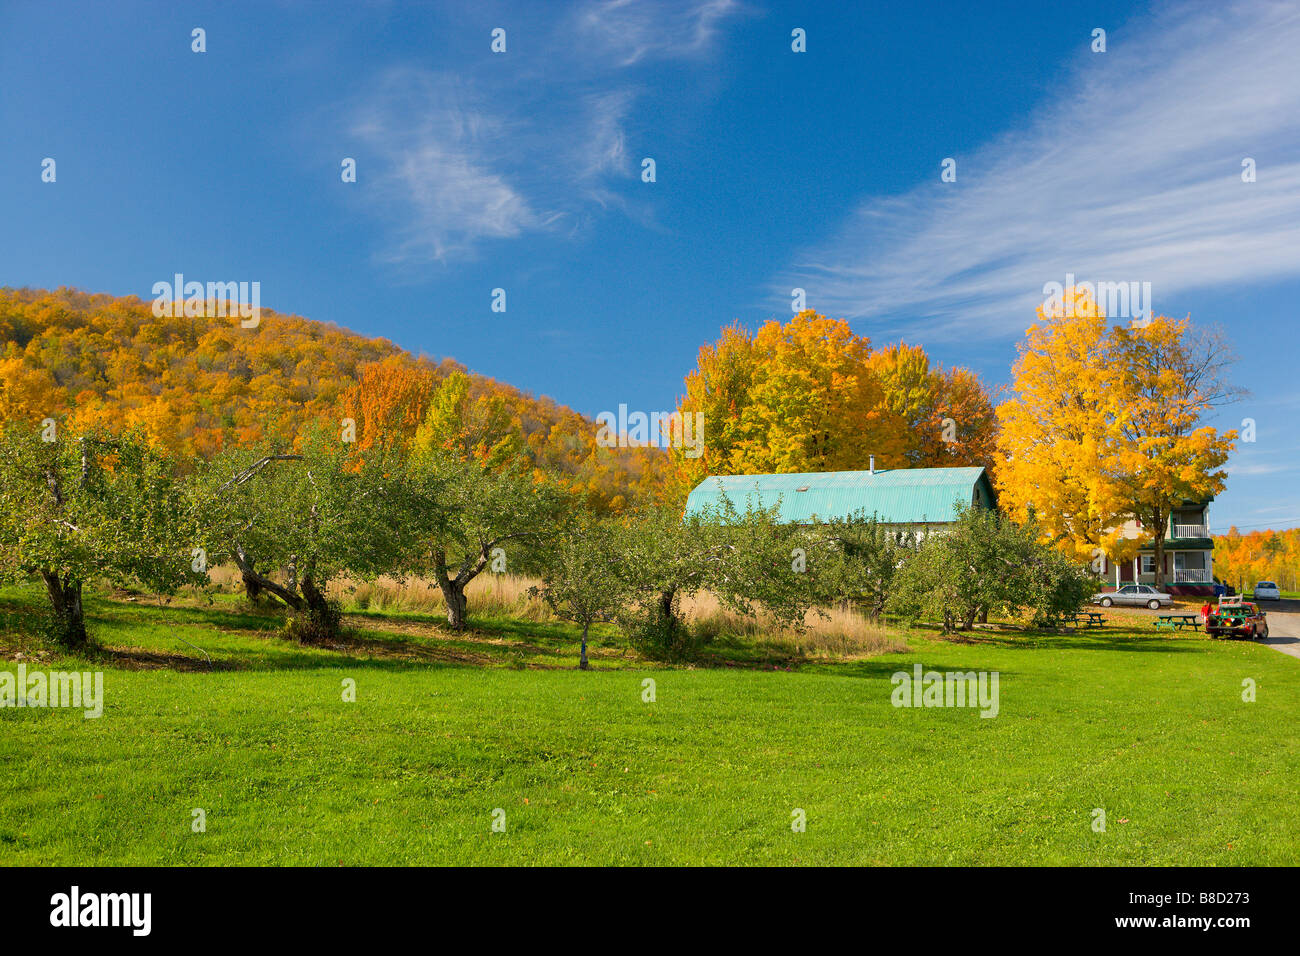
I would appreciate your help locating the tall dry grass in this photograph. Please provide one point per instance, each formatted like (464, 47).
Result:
(497, 594)
(226, 577)
(828, 632)
(491, 594)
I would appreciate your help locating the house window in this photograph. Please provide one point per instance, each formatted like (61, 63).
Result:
(1148, 564)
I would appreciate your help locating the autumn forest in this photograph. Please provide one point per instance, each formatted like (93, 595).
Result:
(806, 395)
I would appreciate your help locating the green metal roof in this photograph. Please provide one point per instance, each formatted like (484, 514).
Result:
(895, 496)
(1182, 544)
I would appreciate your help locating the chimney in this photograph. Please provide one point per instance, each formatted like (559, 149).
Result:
(871, 468)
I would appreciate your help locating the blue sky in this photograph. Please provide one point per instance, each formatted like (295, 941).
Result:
(775, 169)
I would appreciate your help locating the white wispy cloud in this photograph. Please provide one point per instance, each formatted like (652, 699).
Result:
(1253, 460)
(460, 161)
(629, 31)
(1259, 468)
(604, 147)
(1131, 173)
(437, 152)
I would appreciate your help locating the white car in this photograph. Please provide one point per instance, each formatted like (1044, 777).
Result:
(1136, 594)
(1267, 591)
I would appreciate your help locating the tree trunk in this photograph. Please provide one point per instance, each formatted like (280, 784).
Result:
(666, 609)
(582, 658)
(65, 596)
(1158, 520)
(453, 595)
(252, 590)
(252, 586)
(453, 588)
(312, 595)
(322, 615)
(878, 599)
(263, 583)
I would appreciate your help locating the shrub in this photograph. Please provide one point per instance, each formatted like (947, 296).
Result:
(655, 629)
(1055, 586)
(986, 561)
(60, 630)
(314, 625)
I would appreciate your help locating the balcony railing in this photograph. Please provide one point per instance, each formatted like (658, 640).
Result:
(1190, 531)
(1191, 576)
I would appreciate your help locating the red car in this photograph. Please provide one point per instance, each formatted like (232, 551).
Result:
(1238, 619)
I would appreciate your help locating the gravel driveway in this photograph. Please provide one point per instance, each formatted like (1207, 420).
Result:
(1283, 626)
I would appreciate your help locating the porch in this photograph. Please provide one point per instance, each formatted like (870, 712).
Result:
(1182, 566)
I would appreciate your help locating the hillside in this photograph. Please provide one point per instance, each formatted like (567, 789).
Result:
(199, 384)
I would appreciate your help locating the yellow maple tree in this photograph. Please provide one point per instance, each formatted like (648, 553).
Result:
(1105, 426)
(810, 395)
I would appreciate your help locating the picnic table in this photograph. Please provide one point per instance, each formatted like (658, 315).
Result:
(1179, 621)
(1087, 618)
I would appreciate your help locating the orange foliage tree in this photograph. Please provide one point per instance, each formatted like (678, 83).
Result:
(1244, 559)
(1105, 425)
(810, 395)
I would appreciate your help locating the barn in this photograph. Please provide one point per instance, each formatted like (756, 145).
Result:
(914, 499)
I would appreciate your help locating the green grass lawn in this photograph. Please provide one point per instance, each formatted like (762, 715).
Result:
(445, 730)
